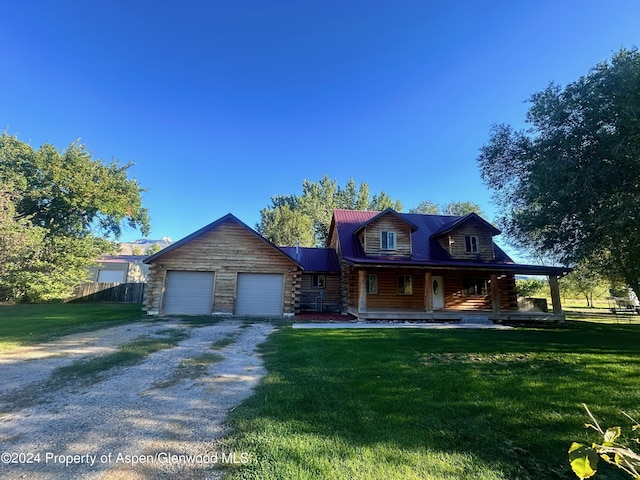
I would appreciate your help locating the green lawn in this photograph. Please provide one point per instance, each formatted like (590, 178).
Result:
(28, 324)
(434, 404)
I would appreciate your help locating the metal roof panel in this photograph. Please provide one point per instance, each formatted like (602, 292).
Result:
(314, 259)
(426, 248)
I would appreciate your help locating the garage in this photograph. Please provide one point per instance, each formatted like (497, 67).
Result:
(252, 275)
(188, 293)
(259, 294)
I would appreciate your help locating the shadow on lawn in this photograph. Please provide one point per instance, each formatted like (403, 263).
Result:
(509, 398)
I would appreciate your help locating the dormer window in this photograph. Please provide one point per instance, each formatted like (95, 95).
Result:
(388, 240)
(471, 243)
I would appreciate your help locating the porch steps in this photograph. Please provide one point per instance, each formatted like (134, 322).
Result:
(475, 320)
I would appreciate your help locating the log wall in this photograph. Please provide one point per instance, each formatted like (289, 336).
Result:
(454, 242)
(457, 300)
(331, 293)
(388, 296)
(388, 223)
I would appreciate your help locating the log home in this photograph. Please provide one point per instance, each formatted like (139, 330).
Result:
(377, 265)
(429, 267)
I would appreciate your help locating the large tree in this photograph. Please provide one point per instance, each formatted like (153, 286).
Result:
(569, 185)
(286, 225)
(305, 219)
(59, 210)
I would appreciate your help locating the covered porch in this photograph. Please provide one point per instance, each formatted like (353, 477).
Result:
(448, 295)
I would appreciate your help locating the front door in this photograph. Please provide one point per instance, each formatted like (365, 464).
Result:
(437, 285)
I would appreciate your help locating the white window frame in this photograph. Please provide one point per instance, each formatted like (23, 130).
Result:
(471, 243)
(387, 240)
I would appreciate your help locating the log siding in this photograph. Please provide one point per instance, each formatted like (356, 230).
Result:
(455, 242)
(330, 293)
(454, 297)
(372, 235)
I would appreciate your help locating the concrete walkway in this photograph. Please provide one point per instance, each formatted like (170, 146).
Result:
(401, 325)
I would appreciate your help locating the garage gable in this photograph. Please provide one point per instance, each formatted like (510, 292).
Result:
(217, 236)
(227, 249)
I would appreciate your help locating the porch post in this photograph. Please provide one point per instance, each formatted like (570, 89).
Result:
(428, 292)
(362, 291)
(495, 294)
(555, 294)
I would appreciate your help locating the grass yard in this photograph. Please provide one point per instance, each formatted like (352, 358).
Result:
(434, 404)
(27, 324)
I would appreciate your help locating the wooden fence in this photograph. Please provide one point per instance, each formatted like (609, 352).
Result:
(109, 292)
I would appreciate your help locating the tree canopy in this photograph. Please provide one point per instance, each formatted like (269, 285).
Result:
(451, 208)
(305, 219)
(569, 184)
(585, 282)
(59, 210)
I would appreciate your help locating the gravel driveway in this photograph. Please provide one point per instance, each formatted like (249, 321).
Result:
(159, 418)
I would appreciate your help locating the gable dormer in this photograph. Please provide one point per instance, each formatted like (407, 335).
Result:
(468, 238)
(386, 234)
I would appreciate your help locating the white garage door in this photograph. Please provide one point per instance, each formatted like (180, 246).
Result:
(188, 293)
(259, 294)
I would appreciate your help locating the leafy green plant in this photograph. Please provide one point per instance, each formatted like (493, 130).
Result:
(584, 458)
(532, 287)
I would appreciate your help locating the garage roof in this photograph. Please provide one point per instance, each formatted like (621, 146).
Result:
(227, 218)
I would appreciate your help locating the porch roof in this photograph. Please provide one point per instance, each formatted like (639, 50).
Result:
(498, 267)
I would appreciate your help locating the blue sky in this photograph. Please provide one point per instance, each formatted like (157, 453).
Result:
(223, 104)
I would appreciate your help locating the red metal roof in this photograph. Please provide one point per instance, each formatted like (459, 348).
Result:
(447, 227)
(388, 211)
(427, 251)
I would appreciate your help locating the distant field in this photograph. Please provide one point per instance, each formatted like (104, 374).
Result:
(435, 404)
(28, 324)
(602, 315)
